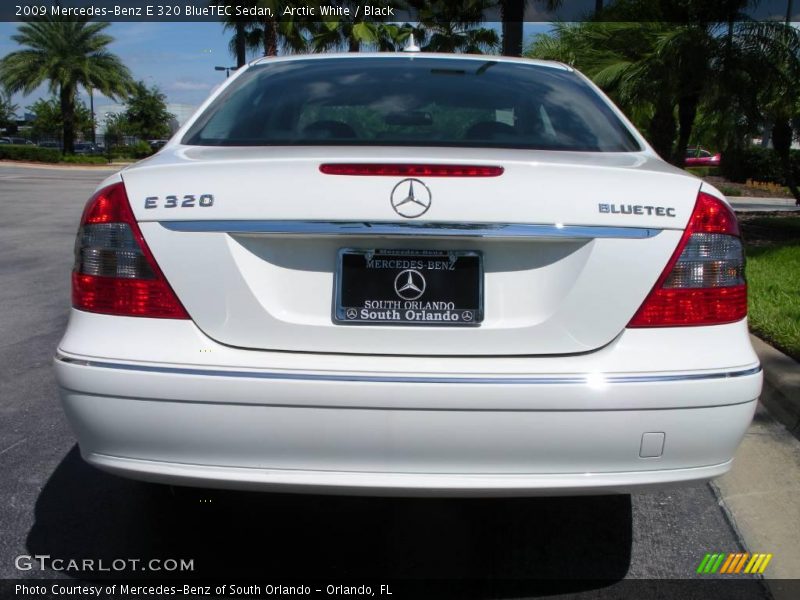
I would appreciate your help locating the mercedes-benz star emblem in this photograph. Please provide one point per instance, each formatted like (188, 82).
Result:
(409, 284)
(410, 198)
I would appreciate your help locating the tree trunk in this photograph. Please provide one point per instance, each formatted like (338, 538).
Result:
(598, 9)
(68, 115)
(353, 45)
(782, 142)
(766, 135)
(270, 37)
(512, 13)
(662, 129)
(241, 49)
(687, 111)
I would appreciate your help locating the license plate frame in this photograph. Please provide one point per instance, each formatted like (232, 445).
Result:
(464, 311)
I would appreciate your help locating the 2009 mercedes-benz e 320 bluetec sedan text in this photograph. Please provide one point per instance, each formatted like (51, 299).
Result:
(408, 274)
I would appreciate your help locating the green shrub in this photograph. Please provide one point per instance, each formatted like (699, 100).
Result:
(120, 152)
(32, 153)
(78, 159)
(758, 164)
(141, 149)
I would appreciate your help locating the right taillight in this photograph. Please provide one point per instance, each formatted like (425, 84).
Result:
(703, 283)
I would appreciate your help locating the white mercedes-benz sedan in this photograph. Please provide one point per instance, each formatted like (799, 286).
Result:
(408, 274)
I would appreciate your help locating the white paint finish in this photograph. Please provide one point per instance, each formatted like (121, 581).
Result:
(180, 343)
(537, 186)
(277, 293)
(553, 308)
(652, 445)
(589, 393)
(401, 441)
(402, 484)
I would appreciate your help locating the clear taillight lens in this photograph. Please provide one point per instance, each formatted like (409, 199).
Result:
(110, 250)
(709, 260)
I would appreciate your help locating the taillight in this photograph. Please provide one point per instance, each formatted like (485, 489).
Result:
(703, 283)
(115, 272)
(410, 170)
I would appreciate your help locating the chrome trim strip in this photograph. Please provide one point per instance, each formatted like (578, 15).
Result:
(412, 229)
(588, 379)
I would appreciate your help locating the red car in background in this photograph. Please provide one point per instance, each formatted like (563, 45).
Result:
(700, 157)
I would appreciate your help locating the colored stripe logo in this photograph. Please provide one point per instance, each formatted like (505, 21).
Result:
(734, 563)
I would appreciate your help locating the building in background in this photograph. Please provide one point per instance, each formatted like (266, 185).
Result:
(181, 112)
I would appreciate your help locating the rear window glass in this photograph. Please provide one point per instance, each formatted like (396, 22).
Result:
(411, 101)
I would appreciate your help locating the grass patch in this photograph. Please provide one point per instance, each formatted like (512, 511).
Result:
(773, 278)
(730, 191)
(702, 171)
(83, 159)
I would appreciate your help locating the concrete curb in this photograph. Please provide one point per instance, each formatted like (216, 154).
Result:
(781, 393)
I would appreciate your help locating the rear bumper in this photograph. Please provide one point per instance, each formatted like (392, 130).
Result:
(171, 405)
(401, 484)
(404, 436)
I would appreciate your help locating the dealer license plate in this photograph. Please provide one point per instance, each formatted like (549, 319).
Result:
(409, 287)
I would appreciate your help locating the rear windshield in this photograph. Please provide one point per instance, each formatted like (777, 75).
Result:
(411, 101)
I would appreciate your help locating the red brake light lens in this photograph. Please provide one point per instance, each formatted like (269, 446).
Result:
(711, 215)
(115, 272)
(703, 283)
(405, 170)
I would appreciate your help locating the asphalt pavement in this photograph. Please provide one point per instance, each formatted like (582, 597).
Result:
(54, 504)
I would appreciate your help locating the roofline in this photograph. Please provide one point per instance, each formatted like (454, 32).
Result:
(412, 55)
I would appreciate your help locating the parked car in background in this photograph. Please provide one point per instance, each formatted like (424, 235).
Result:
(53, 145)
(156, 145)
(409, 274)
(5, 140)
(700, 157)
(85, 148)
(21, 141)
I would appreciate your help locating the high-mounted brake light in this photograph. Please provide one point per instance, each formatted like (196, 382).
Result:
(405, 170)
(703, 283)
(115, 272)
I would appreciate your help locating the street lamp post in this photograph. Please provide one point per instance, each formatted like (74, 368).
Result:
(91, 109)
(226, 69)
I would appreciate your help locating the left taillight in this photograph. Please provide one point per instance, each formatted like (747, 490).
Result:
(115, 272)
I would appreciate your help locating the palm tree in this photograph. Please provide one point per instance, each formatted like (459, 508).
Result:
(269, 34)
(67, 55)
(617, 56)
(8, 111)
(658, 70)
(354, 33)
(238, 43)
(512, 14)
(454, 26)
(776, 47)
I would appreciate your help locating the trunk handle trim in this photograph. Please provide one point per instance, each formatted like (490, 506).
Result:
(508, 231)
